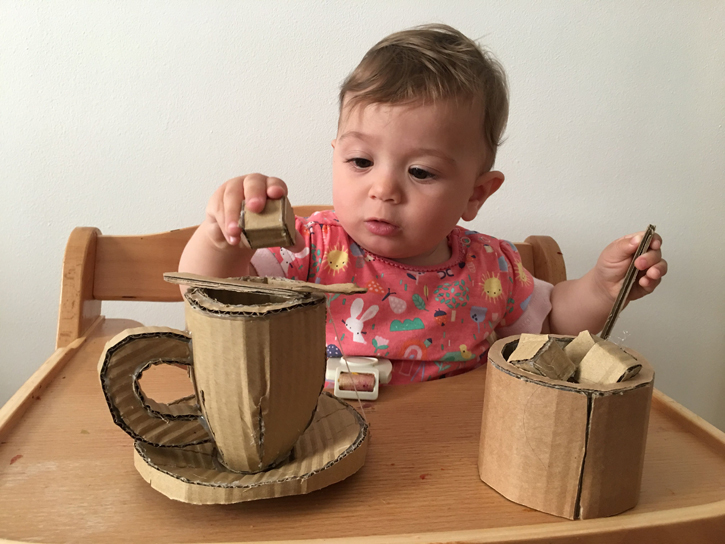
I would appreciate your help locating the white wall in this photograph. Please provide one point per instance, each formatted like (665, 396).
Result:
(126, 116)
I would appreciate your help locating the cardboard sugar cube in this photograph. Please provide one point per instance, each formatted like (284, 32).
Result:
(542, 355)
(273, 227)
(528, 347)
(580, 346)
(606, 363)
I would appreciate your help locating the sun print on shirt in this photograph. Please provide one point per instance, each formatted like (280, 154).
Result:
(521, 273)
(492, 288)
(336, 260)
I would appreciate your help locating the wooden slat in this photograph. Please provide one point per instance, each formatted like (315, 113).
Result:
(548, 261)
(306, 211)
(78, 309)
(132, 267)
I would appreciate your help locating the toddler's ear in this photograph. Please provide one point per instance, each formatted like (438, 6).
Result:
(486, 184)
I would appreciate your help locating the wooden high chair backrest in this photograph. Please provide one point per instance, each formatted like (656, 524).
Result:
(98, 267)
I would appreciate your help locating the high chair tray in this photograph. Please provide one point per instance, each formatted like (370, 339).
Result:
(67, 474)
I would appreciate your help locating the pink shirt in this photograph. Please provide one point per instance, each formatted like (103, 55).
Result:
(430, 321)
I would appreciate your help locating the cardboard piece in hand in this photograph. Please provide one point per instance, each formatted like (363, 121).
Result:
(629, 278)
(272, 227)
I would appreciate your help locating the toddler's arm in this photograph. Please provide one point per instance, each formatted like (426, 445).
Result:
(584, 304)
(215, 249)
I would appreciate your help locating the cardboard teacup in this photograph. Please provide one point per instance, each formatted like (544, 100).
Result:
(257, 362)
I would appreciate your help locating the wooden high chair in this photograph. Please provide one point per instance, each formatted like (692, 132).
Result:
(65, 463)
(98, 267)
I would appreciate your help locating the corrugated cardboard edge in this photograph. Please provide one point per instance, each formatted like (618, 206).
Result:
(203, 492)
(155, 422)
(288, 218)
(200, 299)
(256, 284)
(503, 431)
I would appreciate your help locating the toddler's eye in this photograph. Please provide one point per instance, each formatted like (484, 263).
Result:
(361, 163)
(419, 173)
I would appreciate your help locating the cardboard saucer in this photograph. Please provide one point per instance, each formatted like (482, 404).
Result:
(332, 448)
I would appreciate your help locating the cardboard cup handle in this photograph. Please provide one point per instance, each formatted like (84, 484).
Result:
(179, 409)
(178, 423)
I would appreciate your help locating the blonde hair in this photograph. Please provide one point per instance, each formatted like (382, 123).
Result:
(427, 64)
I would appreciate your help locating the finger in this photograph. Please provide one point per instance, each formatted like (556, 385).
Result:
(648, 284)
(232, 208)
(647, 260)
(644, 286)
(215, 212)
(649, 280)
(635, 239)
(657, 271)
(276, 188)
(656, 242)
(255, 192)
(299, 244)
(623, 248)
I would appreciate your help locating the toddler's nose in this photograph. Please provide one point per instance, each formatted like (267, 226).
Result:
(385, 187)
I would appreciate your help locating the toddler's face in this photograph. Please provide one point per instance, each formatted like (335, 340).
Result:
(403, 175)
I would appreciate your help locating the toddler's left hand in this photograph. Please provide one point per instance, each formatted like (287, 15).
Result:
(613, 263)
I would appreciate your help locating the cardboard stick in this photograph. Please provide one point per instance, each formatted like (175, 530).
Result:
(629, 279)
(259, 285)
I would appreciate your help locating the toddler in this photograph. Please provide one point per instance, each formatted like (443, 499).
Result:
(420, 121)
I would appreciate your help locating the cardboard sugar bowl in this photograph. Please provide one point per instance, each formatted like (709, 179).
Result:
(565, 422)
(569, 449)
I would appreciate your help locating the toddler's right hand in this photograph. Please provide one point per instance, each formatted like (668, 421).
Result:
(225, 205)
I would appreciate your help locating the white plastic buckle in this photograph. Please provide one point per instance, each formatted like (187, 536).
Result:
(381, 369)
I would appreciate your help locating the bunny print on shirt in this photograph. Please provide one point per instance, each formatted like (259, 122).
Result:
(355, 324)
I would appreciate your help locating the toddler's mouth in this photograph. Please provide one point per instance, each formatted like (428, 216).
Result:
(381, 228)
